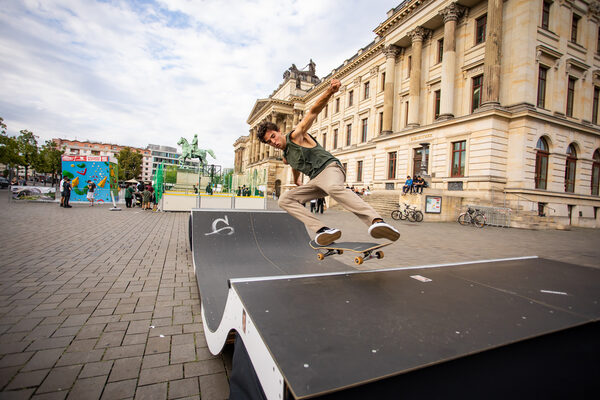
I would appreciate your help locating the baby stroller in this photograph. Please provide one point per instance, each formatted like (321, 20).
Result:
(137, 200)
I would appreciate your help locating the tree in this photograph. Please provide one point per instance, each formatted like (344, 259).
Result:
(49, 160)
(28, 150)
(9, 150)
(130, 164)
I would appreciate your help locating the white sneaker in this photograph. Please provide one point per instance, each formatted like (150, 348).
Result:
(382, 230)
(328, 236)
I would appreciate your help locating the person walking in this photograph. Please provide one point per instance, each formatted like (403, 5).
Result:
(327, 176)
(146, 196)
(61, 188)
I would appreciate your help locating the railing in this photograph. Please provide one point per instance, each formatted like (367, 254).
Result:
(495, 216)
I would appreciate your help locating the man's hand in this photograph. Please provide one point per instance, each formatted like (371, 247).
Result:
(334, 86)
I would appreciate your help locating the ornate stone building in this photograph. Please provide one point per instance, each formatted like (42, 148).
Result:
(494, 102)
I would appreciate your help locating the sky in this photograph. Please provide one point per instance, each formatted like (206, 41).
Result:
(143, 71)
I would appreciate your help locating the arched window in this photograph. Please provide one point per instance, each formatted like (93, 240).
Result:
(541, 164)
(596, 173)
(570, 168)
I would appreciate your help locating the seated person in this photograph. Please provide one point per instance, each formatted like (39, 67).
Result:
(418, 184)
(408, 185)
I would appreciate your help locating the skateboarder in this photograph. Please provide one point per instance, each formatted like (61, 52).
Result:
(305, 155)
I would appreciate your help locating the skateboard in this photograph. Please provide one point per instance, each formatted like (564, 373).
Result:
(365, 248)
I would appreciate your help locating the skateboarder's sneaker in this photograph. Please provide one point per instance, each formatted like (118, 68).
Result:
(382, 230)
(326, 236)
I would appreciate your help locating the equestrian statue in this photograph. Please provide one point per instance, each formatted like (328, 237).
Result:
(192, 151)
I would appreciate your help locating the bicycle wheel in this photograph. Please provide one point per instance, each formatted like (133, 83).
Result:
(464, 219)
(411, 216)
(418, 216)
(479, 221)
(396, 214)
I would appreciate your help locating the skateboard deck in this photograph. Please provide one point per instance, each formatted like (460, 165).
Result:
(368, 250)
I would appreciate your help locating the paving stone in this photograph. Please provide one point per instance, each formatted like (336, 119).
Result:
(124, 351)
(51, 396)
(110, 339)
(7, 373)
(27, 379)
(152, 392)
(96, 369)
(116, 326)
(119, 390)
(204, 367)
(137, 338)
(125, 368)
(214, 387)
(80, 357)
(11, 360)
(161, 374)
(138, 327)
(82, 345)
(17, 394)
(91, 331)
(158, 345)
(183, 388)
(43, 359)
(60, 378)
(88, 388)
(50, 343)
(183, 353)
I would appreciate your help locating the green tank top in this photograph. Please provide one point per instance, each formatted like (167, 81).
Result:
(310, 161)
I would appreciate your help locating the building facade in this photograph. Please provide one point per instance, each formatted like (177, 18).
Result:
(494, 102)
(87, 148)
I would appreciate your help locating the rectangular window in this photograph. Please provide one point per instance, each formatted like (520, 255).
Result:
(476, 93)
(383, 79)
(574, 27)
(458, 158)
(324, 144)
(595, 178)
(598, 42)
(541, 169)
(409, 66)
(380, 122)
(480, 25)
(546, 14)
(348, 134)
(364, 130)
(335, 138)
(570, 168)
(392, 165)
(350, 98)
(440, 53)
(595, 105)
(366, 89)
(570, 95)
(337, 105)
(359, 171)
(406, 114)
(436, 103)
(541, 93)
(326, 110)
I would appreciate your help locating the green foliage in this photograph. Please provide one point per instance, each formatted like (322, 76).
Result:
(171, 174)
(49, 160)
(130, 164)
(28, 150)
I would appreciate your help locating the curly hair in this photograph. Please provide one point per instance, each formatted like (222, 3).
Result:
(263, 128)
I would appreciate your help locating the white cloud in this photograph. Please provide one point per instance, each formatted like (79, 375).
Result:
(142, 72)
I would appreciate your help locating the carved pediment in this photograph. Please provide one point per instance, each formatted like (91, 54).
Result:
(258, 106)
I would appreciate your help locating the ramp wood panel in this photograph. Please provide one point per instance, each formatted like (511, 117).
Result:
(332, 333)
(244, 244)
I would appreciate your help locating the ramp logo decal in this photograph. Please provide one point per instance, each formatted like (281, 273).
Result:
(221, 230)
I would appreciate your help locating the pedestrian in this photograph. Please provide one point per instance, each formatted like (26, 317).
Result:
(61, 187)
(67, 189)
(128, 196)
(91, 186)
(209, 189)
(146, 196)
(327, 176)
(313, 205)
(320, 204)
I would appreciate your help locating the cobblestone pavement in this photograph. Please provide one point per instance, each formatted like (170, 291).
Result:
(99, 304)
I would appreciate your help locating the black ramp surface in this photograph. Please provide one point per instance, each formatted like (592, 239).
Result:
(333, 332)
(244, 244)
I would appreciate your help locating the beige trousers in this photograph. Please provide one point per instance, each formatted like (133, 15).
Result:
(329, 182)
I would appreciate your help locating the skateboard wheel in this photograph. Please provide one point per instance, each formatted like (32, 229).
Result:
(340, 251)
(358, 260)
(379, 254)
(320, 256)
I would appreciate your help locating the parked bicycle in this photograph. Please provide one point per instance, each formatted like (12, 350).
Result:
(472, 216)
(410, 213)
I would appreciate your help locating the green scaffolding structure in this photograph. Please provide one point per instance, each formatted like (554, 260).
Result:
(158, 181)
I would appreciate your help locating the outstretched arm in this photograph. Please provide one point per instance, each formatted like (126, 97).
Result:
(302, 128)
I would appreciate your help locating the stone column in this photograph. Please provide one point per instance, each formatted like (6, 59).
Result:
(390, 52)
(295, 119)
(251, 146)
(450, 15)
(492, 58)
(272, 149)
(417, 36)
(256, 145)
